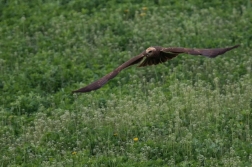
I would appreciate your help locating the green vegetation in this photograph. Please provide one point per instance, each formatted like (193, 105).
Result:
(191, 111)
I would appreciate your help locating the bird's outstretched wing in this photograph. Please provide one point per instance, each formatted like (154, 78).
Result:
(211, 53)
(99, 83)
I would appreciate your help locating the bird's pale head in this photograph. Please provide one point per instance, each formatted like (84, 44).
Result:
(150, 51)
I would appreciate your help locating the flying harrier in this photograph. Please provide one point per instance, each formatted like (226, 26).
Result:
(152, 56)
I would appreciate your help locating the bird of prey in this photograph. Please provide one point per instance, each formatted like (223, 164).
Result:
(152, 56)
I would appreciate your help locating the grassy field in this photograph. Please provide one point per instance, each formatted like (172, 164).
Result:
(190, 111)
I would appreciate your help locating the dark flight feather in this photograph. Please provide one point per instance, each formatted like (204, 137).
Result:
(99, 83)
(211, 53)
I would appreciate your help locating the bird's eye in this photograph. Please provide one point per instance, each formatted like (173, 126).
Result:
(150, 51)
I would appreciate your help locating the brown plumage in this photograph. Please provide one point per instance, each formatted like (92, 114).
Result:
(152, 56)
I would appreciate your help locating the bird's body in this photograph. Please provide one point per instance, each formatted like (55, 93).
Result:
(152, 56)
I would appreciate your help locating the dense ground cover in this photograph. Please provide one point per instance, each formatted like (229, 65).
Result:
(191, 111)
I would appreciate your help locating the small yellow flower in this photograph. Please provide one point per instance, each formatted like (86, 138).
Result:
(142, 14)
(115, 134)
(135, 139)
(74, 153)
(144, 8)
(126, 11)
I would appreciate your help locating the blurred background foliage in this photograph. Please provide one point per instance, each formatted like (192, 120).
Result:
(50, 47)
